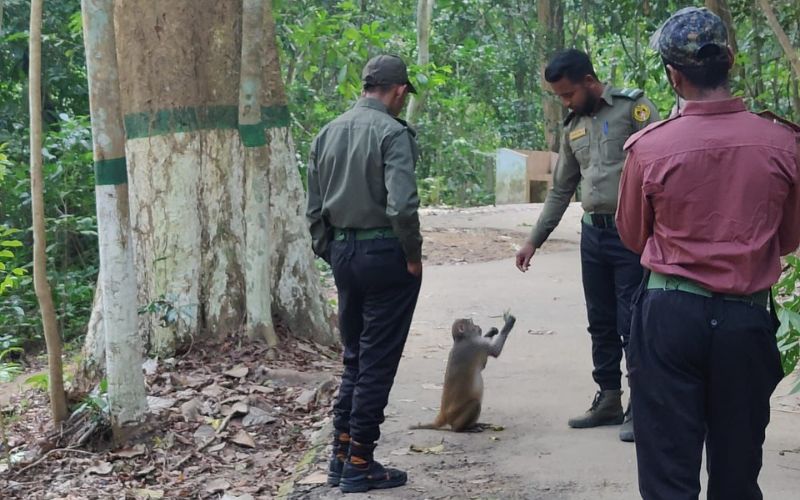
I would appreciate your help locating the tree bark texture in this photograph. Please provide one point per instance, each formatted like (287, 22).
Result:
(551, 25)
(216, 197)
(424, 18)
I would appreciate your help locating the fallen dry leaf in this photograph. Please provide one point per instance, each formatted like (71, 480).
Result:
(315, 478)
(216, 448)
(217, 485)
(145, 494)
(100, 469)
(213, 391)
(136, 451)
(157, 404)
(204, 434)
(144, 472)
(242, 438)
(306, 397)
(432, 450)
(246, 496)
(191, 409)
(257, 416)
(239, 371)
(150, 366)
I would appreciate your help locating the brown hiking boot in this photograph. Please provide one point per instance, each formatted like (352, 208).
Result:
(606, 410)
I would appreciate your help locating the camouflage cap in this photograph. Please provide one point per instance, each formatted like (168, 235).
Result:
(386, 70)
(682, 37)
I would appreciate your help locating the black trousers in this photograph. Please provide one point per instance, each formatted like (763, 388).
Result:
(611, 276)
(702, 371)
(377, 297)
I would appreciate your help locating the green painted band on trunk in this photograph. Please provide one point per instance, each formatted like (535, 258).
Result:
(110, 172)
(253, 136)
(190, 119)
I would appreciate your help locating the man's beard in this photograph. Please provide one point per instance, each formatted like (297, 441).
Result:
(588, 106)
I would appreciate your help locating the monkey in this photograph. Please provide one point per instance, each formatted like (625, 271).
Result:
(463, 384)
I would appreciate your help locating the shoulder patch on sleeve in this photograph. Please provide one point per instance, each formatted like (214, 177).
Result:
(641, 113)
(631, 94)
(638, 135)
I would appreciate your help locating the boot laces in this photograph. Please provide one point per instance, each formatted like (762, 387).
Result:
(596, 402)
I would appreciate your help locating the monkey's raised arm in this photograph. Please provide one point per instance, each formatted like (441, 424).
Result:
(495, 347)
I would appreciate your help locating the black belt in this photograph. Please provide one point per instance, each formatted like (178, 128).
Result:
(601, 221)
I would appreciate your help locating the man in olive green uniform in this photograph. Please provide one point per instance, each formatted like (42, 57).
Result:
(601, 120)
(362, 211)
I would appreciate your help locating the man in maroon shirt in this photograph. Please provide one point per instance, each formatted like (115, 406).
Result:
(711, 200)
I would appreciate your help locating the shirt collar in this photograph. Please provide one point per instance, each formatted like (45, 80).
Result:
(372, 103)
(732, 105)
(606, 96)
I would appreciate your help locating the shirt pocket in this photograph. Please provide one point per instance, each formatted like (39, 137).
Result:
(581, 149)
(611, 149)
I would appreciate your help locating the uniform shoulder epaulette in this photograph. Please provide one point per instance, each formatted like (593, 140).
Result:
(569, 118)
(638, 135)
(631, 94)
(769, 115)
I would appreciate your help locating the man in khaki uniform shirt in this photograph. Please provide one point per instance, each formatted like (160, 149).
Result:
(601, 120)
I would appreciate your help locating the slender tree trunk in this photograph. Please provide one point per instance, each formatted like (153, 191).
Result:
(258, 233)
(424, 15)
(783, 39)
(58, 400)
(551, 24)
(123, 346)
(758, 45)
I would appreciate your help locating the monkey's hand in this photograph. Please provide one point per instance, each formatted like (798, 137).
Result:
(509, 320)
(492, 332)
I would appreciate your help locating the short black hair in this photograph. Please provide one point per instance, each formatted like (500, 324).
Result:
(380, 88)
(572, 64)
(712, 74)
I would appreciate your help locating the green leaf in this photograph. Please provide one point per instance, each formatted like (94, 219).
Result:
(11, 243)
(7, 254)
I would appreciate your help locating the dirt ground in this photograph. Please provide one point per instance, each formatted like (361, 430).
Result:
(541, 379)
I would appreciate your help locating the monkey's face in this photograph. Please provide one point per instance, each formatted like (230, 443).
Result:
(465, 328)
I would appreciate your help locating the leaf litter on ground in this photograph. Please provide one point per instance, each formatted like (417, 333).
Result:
(214, 417)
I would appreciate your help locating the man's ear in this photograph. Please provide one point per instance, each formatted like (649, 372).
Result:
(675, 77)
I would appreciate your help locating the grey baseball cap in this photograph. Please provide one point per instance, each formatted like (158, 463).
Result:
(386, 70)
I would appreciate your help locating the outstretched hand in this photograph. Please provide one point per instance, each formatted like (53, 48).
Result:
(524, 256)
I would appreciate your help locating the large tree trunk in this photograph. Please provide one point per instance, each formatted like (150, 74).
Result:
(551, 25)
(123, 346)
(424, 15)
(723, 10)
(220, 240)
(58, 400)
(786, 44)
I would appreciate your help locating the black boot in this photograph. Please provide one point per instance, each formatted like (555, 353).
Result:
(341, 447)
(606, 410)
(626, 431)
(362, 473)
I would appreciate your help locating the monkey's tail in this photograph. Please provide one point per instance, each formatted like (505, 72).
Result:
(436, 424)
